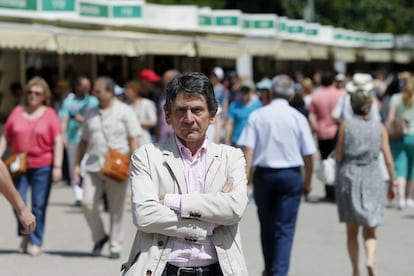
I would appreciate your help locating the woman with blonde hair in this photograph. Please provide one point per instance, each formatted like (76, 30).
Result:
(361, 189)
(307, 90)
(33, 128)
(402, 106)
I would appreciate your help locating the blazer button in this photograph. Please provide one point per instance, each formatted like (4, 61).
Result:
(160, 243)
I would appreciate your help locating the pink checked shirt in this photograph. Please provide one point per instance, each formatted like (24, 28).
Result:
(188, 253)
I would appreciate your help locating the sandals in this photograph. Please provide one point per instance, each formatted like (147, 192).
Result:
(371, 270)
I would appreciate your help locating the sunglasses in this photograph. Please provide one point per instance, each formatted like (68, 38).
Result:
(33, 92)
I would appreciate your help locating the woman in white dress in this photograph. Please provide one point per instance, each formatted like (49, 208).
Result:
(144, 109)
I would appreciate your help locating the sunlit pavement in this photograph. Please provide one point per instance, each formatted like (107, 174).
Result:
(319, 246)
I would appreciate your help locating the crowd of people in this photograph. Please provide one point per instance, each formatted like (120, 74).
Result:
(183, 131)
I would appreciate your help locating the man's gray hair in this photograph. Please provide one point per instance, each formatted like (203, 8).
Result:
(282, 86)
(108, 83)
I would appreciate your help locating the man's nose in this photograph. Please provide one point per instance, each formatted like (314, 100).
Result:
(188, 116)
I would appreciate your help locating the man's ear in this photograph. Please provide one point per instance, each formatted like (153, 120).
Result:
(213, 116)
(167, 115)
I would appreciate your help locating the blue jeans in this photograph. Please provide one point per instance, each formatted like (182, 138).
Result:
(40, 181)
(277, 193)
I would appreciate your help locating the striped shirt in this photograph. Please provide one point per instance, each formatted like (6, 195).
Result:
(186, 253)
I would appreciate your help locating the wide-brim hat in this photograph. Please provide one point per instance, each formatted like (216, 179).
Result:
(361, 82)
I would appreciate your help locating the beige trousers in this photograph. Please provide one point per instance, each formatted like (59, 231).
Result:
(94, 186)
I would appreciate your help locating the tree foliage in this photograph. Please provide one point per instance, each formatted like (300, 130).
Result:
(375, 16)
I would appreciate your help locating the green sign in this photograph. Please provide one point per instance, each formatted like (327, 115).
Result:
(204, 20)
(311, 32)
(227, 21)
(258, 24)
(28, 5)
(127, 11)
(58, 5)
(294, 29)
(263, 24)
(91, 9)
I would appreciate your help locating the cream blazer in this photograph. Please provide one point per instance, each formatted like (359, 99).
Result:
(156, 170)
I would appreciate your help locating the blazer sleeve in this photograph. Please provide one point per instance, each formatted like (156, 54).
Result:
(216, 206)
(149, 215)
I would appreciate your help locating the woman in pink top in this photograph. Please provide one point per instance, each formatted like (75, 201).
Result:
(34, 128)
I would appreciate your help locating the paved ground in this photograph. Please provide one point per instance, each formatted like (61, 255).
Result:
(319, 247)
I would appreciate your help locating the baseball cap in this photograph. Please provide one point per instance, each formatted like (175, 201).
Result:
(218, 72)
(149, 75)
(340, 77)
(118, 90)
(248, 84)
(265, 84)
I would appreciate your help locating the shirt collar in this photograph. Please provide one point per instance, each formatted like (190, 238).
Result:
(280, 101)
(185, 153)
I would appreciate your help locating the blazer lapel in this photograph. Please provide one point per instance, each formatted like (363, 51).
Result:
(213, 163)
(174, 162)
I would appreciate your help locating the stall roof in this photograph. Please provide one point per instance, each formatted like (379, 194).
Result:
(257, 46)
(219, 48)
(293, 51)
(344, 54)
(375, 55)
(20, 36)
(91, 42)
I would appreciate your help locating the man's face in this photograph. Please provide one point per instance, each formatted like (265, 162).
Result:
(190, 118)
(84, 87)
(101, 93)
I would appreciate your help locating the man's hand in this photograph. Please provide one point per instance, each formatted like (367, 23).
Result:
(27, 219)
(79, 118)
(56, 174)
(228, 186)
(306, 191)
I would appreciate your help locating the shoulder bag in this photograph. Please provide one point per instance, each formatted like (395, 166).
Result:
(16, 163)
(116, 165)
(397, 128)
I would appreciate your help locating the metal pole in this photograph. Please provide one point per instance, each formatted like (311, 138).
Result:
(309, 12)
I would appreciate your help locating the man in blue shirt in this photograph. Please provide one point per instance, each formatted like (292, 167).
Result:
(278, 141)
(72, 116)
(239, 111)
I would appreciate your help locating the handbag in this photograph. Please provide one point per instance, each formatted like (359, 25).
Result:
(116, 165)
(327, 169)
(16, 164)
(397, 128)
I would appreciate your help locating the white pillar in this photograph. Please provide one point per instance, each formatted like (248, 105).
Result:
(244, 66)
